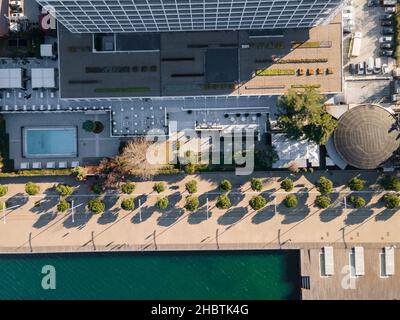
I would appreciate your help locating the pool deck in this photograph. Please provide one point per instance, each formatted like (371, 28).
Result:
(29, 228)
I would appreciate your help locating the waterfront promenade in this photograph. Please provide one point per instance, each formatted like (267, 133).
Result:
(32, 224)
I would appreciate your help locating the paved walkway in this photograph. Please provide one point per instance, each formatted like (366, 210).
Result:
(25, 227)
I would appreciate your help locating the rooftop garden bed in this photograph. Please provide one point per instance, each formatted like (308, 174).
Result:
(275, 72)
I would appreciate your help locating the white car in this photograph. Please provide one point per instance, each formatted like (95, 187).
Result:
(390, 9)
(385, 39)
(385, 69)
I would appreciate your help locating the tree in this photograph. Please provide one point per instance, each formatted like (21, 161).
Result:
(290, 201)
(131, 161)
(357, 201)
(190, 168)
(3, 190)
(88, 126)
(2, 205)
(225, 186)
(96, 206)
(266, 157)
(391, 183)
(258, 202)
(32, 188)
(128, 188)
(287, 185)
(128, 204)
(97, 188)
(63, 205)
(324, 185)
(192, 203)
(79, 173)
(301, 116)
(64, 189)
(356, 184)
(256, 184)
(162, 203)
(191, 186)
(159, 187)
(223, 202)
(391, 200)
(323, 201)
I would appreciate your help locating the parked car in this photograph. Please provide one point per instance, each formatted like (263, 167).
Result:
(387, 30)
(388, 16)
(385, 39)
(386, 53)
(390, 9)
(352, 68)
(385, 69)
(360, 68)
(378, 65)
(369, 66)
(373, 3)
(387, 23)
(386, 45)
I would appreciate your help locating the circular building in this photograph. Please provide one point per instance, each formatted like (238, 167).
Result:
(366, 136)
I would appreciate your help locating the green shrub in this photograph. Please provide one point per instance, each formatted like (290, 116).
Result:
(88, 126)
(79, 173)
(225, 186)
(2, 205)
(356, 184)
(256, 184)
(190, 168)
(96, 206)
(223, 202)
(287, 184)
(128, 204)
(3, 190)
(357, 201)
(191, 186)
(159, 187)
(97, 188)
(391, 183)
(192, 203)
(275, 72)
(391, 200)
(63, 205)
(128, 188)
(162, 203)
(324, 185)
(258, 202)
(64, 190)
(290, 201)
(32, 188)
(323, 201)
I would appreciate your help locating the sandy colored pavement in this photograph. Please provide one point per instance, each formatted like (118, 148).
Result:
(25, 227)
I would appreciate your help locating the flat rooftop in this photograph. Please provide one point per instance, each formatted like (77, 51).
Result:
(202, 63)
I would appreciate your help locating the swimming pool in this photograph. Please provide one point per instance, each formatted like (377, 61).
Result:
(49, 142)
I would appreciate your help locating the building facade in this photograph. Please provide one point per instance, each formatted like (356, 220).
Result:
(92, 16)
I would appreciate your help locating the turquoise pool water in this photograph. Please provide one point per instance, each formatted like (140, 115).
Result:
(48, 142)
(161, 275)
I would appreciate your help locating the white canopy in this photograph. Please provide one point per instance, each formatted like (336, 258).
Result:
(43, 78)
(389, 261)
(10, 78)
(46, 50)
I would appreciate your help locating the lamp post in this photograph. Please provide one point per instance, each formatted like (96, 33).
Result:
(140, 211)
(72, 211)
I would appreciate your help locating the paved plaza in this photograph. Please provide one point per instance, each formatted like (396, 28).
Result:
(26, 227)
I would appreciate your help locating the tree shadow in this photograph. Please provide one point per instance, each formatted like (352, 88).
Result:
(169, 217)
(293, 215)
(143, 214)
(334, 210)
(44, 205)
(108, 216)
(232, 215)
(198, 216)
(385, 214)
(263, 215)
(210, 195)
(81, 216)
(358, 216)
(18, 199)
(44, 219)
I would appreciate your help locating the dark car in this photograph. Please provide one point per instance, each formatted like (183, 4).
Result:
(387, 30)
(386, 46)
(373, 3)
(387, 23)
(386, 53)
(352, 68)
